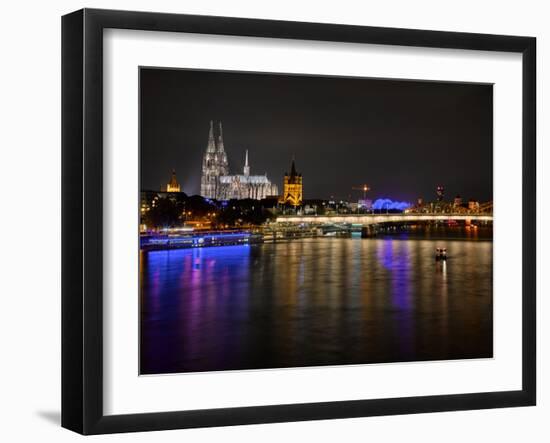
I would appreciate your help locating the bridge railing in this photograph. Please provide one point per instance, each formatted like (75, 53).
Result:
(381, 218)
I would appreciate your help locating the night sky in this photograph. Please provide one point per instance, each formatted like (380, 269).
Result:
(402, 138)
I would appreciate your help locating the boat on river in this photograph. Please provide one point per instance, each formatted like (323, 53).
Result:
(441, 254)
(197, 239)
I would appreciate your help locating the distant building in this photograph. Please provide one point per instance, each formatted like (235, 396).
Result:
(457, 201)
(216, 183)
(440, 192)
(473, 205)
(173, 185)
(364, 203)
(292, 187)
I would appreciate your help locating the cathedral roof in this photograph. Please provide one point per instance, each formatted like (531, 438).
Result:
(245, 179)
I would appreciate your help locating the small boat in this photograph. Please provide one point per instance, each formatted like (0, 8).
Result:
(441, 254)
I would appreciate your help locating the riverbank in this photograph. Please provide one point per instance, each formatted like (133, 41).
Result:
(200, 239)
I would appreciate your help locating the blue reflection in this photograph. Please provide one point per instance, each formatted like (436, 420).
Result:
(394, 256)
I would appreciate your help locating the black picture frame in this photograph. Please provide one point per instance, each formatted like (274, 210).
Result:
(82, 238)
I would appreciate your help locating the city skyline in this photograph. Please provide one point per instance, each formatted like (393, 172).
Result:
(274, 257)
(407, 162)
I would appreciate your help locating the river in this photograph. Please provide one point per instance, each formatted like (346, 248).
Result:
(318, 301)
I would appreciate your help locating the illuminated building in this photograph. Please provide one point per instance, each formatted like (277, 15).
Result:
(292, 187)
(365, 203)
(386, 204)
(473, 205)
(173, 185)
(214, 164)
(457, 201)
(245, 185)
(440, 191)
(216, 183)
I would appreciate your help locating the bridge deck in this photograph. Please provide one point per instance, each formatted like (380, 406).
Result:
(370, 219)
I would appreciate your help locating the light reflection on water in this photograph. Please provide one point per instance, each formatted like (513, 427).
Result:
(310, 302)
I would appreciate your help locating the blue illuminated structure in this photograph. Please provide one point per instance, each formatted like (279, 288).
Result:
(387, 204)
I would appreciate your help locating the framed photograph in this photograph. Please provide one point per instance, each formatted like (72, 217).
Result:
(269, 221)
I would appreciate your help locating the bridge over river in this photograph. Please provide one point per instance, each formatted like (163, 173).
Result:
(376, 219)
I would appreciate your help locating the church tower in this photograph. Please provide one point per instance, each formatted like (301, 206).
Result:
(173, 185)
(223, 164)
(292, 187)
(246, 169)
(214, 164)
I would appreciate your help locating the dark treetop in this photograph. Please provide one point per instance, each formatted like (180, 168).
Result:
(402, 138)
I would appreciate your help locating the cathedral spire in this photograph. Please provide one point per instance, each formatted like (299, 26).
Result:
(220, 139)
(211, 147)
(246, 167)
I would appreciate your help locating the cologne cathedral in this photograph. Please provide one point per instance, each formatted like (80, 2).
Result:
(216, 183)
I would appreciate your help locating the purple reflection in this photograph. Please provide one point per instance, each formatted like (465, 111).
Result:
(394, 255)
(203, 292)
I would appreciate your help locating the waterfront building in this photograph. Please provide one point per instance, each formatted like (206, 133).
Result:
(217, 183)
(473, 205)
(365, 203)
(173, 185)
(292, 187)
(457, 201)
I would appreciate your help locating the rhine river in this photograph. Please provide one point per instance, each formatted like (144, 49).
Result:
(318, 301)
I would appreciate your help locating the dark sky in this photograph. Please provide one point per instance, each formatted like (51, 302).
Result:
(402, 138)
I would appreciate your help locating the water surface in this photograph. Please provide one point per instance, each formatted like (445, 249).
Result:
(310, 302)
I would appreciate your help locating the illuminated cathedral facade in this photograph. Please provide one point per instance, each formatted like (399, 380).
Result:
(217, 183)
